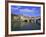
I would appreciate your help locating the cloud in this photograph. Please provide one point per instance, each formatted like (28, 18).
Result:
(16, 7)
(26, 10)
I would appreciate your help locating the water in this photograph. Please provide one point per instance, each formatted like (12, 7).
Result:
(18, 26)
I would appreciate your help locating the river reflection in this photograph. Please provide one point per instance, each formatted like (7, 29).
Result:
(19, 25)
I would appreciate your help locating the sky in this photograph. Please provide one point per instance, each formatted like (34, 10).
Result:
(25, 10)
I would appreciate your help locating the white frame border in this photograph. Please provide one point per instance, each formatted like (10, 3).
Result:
(23, 32)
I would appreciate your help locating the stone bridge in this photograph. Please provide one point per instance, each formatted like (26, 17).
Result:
(26, 18)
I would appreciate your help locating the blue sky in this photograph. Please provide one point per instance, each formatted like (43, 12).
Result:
(25, 10)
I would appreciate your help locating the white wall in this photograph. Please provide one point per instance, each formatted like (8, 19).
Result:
(2, 19)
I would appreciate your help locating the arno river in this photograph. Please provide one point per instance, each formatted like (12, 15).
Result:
(18, 26)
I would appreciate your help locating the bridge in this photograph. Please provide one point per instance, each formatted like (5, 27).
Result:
(26, 18)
